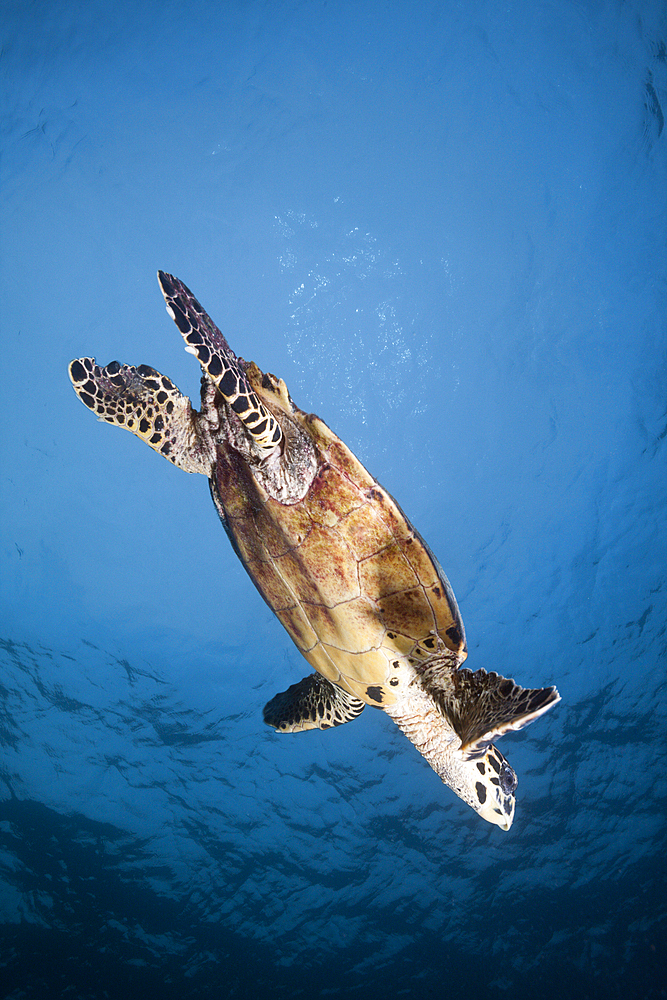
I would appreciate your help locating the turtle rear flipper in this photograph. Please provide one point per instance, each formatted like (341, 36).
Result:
(313, 703)
(483, 706)
(146, 403)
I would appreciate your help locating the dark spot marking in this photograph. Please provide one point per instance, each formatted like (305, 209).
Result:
(228, 383)
(454, 633)
(170, 406)
(430, 642)
(162, 396)
(144, 426)
(480, 766)
(113, 367)
(180, 318)
(167, 283)
(215, 366)
(394, 682)
(481, 792)
(396, 665)
(88, 400)
(77, 371)
(156, 439)
(195, 339)
(146, 371)
(391, 635)
(260, 428)
(240, 404)
(508, 806)
(90, 387)
(374, 693)
(494, 763)
(276, 435)
(159, 423)
(203, 355)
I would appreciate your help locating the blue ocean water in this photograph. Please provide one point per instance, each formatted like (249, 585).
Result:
(444, 226)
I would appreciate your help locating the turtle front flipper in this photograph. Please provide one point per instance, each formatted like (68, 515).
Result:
(313, 703)
(483, 706)
(146, 403)
(220, 364)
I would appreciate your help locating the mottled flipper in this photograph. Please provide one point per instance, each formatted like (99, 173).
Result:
(483, 706)
(146, 403)
(313, 703)
(219, 363)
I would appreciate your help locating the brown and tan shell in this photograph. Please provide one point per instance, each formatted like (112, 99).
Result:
(348, 576)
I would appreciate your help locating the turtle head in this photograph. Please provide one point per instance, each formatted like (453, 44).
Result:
(488, 784)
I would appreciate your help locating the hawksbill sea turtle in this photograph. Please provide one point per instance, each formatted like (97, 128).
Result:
(332, 554)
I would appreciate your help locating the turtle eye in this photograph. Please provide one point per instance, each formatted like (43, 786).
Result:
(508, 779)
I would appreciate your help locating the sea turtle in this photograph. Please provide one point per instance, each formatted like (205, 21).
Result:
(333, 555)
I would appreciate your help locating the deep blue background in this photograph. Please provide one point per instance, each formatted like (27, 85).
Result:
(444, 225)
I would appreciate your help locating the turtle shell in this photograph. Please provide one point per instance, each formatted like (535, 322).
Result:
(351, 580)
